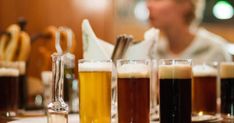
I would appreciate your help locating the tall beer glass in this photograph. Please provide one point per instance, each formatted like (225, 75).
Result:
(204, 89)
(95, 91)
(8, 92)
(227, 89)
(22, 90)
(175, 78)
(133, 91)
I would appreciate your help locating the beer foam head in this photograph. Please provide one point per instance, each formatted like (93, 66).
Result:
(95, 66)
(204, 70)
(175, 71)
(20, 65)
(133, 70)
(227, 70)
(9, 72)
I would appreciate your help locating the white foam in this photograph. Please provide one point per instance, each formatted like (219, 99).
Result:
(136, 70)
(175, 71)
(227, 70)
(204, 70)
(20, 65)
(9, 72)
(95, 66)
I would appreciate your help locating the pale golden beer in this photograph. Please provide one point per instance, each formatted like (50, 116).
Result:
(95, 91)
(204, 89)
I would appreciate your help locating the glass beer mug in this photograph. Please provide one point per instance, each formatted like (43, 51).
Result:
(95, 77)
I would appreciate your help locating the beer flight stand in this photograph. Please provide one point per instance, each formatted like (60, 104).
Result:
(74, 118)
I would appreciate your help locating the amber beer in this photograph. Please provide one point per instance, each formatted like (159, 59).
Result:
(227, 89)
(175, 77)
(133, 92)
(204, 89)
(8, 90)
(95, 91)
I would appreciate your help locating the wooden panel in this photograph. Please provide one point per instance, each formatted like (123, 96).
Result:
(225, 31)
(42, 13)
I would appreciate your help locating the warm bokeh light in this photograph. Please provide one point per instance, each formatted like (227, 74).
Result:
(223, 10)
(96, 5)
(231, 49)
(200, 113)
(141, 12)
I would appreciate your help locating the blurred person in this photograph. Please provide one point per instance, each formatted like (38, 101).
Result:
(181, 37)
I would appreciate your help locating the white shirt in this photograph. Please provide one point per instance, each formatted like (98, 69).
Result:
(206, 47)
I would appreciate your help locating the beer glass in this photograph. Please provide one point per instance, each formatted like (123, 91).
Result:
(133, 90)
(204, 89)
(227, 89)
(95, 77)
(8, 92)
(175, 78)
(22, 90)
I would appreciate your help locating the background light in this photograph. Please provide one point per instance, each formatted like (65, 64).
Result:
(223, 10)
(141, 12)
(231, 49)
(96, 5)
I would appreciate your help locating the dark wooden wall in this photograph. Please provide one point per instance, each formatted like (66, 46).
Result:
(43, 13)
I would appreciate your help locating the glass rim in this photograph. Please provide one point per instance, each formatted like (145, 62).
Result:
(175, 60)
(175, 68)
(14, 63)
(133, 60)
(20, 65)
(94, 60)
(134, 71)
(226, 62)
(11, 72)
(95, 65)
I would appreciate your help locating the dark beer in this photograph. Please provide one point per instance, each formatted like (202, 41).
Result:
(204, 89)
(227, 88)
(8, 90)
(22, 85)
(175, 94)
(133, 92)
(68, 80)
(133, 100)
(22, 90)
